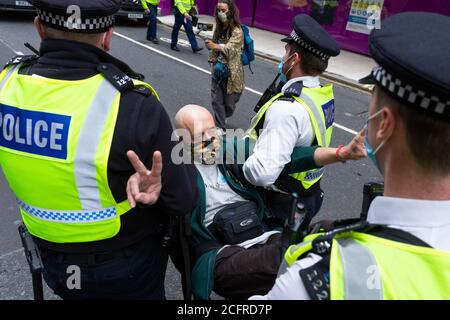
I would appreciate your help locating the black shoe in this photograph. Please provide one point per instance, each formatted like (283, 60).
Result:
(174, 48)
(155, 41)
(197, 49)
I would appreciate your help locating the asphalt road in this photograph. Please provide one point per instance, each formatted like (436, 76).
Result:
(180, 78)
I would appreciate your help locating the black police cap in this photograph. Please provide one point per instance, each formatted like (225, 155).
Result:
(94, 16)
(309, 34)
(412, 52)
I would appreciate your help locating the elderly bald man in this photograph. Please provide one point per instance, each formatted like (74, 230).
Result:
(236, 267)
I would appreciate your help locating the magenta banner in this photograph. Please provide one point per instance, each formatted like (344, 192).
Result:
(336, 16)
(348, 21)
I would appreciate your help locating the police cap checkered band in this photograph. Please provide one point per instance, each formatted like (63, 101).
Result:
(410, 94)
(305, 44)
(71, 23)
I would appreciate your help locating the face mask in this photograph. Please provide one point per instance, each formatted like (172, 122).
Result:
(283, 76)
(223, 17)
(206, 151)
(370, 152)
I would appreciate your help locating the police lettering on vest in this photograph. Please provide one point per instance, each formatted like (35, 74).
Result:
(38, 133)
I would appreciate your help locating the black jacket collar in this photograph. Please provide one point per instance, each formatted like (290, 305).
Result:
(71, 60)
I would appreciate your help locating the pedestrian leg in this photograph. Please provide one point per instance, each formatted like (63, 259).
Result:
(190, 34)
(218, 102)
(230, 103)
(152, 23)
(179, 21)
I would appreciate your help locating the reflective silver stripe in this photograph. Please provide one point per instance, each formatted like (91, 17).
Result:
(362, 280)
(69, 216)
(8, 75)
(317, 115)
(88, 143)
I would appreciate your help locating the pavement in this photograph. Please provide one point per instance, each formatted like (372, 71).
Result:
(346, 69)
(181, 78)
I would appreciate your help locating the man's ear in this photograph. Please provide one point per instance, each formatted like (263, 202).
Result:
(106, 45)
(389, 121)
(298, 58)
(39, 28)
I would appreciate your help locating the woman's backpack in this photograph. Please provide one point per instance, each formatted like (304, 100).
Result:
(248, 53)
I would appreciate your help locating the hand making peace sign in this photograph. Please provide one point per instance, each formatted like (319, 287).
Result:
(145, 185)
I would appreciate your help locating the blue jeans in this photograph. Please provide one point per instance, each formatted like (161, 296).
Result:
(151, 31)
(179, 21)
(135, 273)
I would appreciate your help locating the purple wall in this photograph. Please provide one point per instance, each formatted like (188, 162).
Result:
(276, 16)
(246, 8)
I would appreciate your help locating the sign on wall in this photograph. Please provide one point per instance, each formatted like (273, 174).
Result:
(297, 3)
(365, 15)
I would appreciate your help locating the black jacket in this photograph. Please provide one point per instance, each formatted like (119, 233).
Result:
(142, 126)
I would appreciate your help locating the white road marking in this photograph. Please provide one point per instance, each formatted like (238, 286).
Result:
(181, 42)
(337, 125)
(206, 71)
(10, 47)
(10, 253)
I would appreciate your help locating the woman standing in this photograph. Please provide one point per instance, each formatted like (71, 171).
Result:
(226, 59)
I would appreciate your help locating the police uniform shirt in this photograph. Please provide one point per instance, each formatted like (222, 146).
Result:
(427, 220)
(287, 125)
(143, 126)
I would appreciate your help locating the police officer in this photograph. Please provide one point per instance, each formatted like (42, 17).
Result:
(151, 9)
(68, 119)
(403, 250)
(301, 115)
(183, 17)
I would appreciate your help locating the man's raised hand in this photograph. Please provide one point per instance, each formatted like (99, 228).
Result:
(145, 185)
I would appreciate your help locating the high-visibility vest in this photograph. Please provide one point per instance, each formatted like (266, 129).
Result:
(368, 267)
(319, 103)
(152, 2)
(55, 140)
(184, 5)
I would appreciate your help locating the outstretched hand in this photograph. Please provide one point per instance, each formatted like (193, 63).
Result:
(356, 149)
(145, 185)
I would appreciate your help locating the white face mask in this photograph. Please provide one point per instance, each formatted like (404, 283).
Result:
(223, 16)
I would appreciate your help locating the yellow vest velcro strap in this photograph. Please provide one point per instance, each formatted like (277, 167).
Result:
(69, 216)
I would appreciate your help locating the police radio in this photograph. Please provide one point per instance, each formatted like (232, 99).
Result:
(270, 92)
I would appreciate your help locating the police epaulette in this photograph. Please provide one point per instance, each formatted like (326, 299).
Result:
(316, 279)
(286, 98)
(116, 77)
(143, 90)
(295, 89)
(21, 59)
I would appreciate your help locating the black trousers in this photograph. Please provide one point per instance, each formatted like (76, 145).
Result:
(134, 273)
